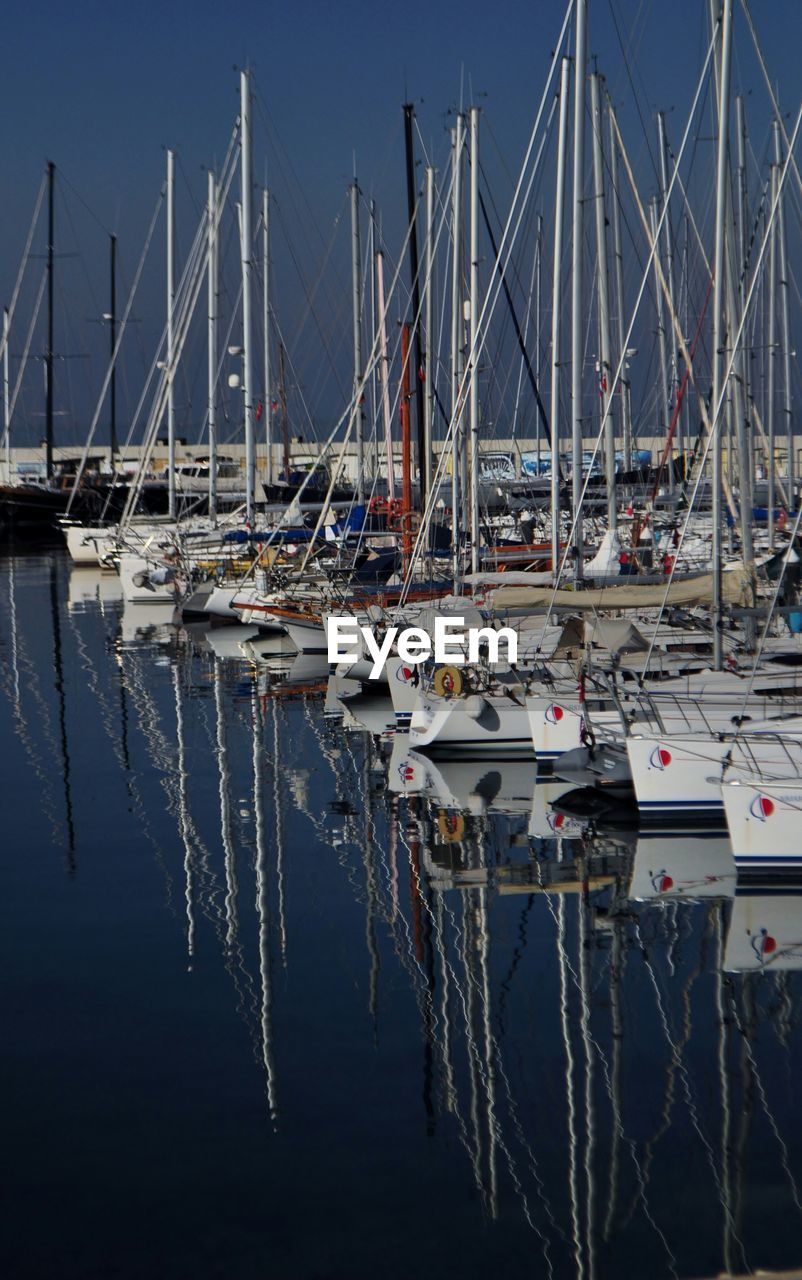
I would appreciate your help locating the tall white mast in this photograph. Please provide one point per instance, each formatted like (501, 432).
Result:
(668, 240)
(742, 194)
(718, 316)
(428, 362)
(474, 340)
(456, 340)
(375, 380)
(356, 290)
(247, 265)
(170, 332)
(605, 359)
(212, 340)
(577, 313)
(384, 373)
(618, 270)
(784, 283)
(266, 325)
(740, 437)
(772, 355)
(742, 190)
(556, 309)
(663, 420)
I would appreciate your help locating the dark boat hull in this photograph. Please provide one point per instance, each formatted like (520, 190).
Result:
(30, 510)
(313, 493)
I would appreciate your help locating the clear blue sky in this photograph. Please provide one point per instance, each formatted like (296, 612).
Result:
(103, 88)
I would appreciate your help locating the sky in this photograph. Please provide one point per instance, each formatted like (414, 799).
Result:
(103, 88)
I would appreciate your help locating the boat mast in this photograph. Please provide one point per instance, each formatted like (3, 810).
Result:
(113, 338)
(473, 371)
(170, 332)
(605, 360)
(266, 327)
(374, 374)
(51, 179)
(618, 272)
(743, 199)
(428, 365)
(406, 448)
(456, 342)
(285, 425)
(409, 116)
(718, 317)
(384, 373)
(556, 315)
(772, 359)
(577, 313)
(663, 420)
(740, 129)
(356, 293)
(668, 240)
(212, 340)
(736, 407)
(738, 384)
(784, 319)
(247, 271)
(686, 325)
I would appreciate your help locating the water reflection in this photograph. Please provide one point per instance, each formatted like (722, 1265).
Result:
(587, 1033)
(92, 588)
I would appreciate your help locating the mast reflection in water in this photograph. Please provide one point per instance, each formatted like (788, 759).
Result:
(283, 998)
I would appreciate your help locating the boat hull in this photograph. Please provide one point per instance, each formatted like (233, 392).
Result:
(444, 726)
(764, 821)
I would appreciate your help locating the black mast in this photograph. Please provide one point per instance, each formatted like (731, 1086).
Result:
(409, 115)
(51, 175)
(113, 332)
(541, 408)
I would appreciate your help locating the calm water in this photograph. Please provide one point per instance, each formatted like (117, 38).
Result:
(264, 1018)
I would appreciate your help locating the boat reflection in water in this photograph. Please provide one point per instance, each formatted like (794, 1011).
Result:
(627, 908)
(411, 979)
(765, 932)
(90, 586)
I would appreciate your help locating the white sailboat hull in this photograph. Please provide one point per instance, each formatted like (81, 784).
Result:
(677, 776)
(144, 582)
(86, 545)
(404, 684)
(765, 823)
(555, 724)
(444, 724)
